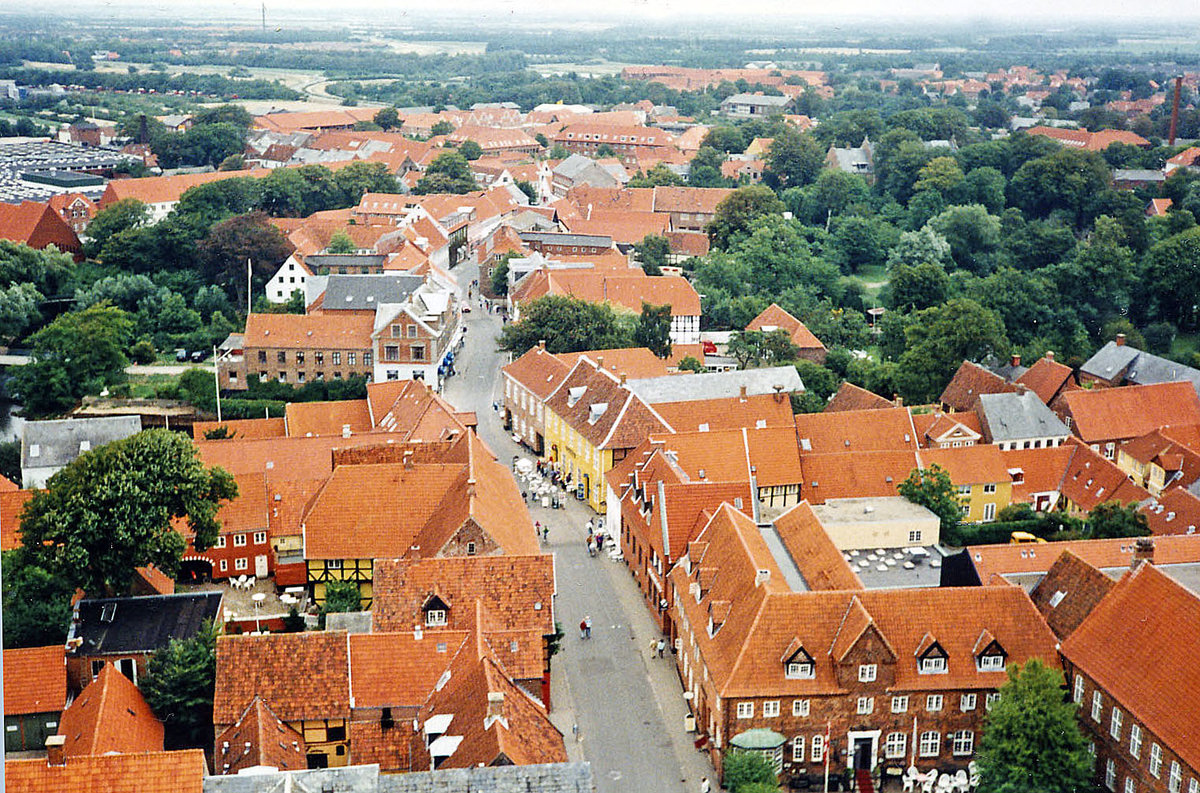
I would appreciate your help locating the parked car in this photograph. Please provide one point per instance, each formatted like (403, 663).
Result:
(199, 355)
(181, 354)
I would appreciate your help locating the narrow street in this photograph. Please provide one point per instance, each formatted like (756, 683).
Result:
(628, 706)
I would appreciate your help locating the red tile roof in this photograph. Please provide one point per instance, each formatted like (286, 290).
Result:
(856, 431)
(259, 739)
(775, 318)
(376, 657)
(809, 545)
(1091, 480)
(110, 716)
(854, 474)
(168, 189)
(1113, 414)
(154, 772)
(623, 226)
(243, 428)
(969, 465)
(343, 330)
(1091, 141)
(35, 680)
(11, 504)
(1069, 592)
(1046, 378)
(633, 362)
(1114, 554)
(605, 411)
(1164, 694)
(1177, 511)
(755, 411)
(627, 289)
(327, 418)
(969, 382)
(301, 675)
(851, 397)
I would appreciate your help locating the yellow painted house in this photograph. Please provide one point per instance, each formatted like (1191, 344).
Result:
(1158, 459)
(592, 421)
(980, 475)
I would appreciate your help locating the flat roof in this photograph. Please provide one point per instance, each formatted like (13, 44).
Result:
(890, 569)
(859, 510)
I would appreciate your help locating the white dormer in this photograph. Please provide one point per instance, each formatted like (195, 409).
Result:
(575, 394)
(596, 410)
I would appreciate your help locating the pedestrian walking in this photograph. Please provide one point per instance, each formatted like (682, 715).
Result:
(575, 732)
(704, 785)
(589, 528)
(583, 629)
(587, 627)
(653, 648)
(537, 528)
(591, 546)
(661, 646)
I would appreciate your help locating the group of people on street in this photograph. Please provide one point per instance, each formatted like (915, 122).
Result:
(585, 627)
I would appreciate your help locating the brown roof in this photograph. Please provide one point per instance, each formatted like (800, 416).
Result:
(376, 657)
(537, 370)
(283, 459)
(1110, 556)
(605, 411)
(855, 431)
(327, 418)
(775, 318)
(1091, 480)
(1164, 694)
(633, 362)
(817, 558)
(1158, 448)
(1069, 592)
(754, 411)
(624, 226)
(627, 289)
(266, 666)
(11, 504)
(32, 222)
(35, 680)
(1046, 378)
(153, 772)
(1177, 511)
(110, 716)
(343, 330)
(412, 408)
(969, 465)
(243, 428)
(1040, 470)
(259, 738)
(969, 382)
(1107, 414)
(851, 397)
(166, 189)
(701, 200)
(854, 474)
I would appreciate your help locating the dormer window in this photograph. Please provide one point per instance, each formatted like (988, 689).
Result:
(991, 663)
(575, 394)
(797, 663)
(989, 655)
(931, 658)
(799, 671)
(436, 611)
(933, 665)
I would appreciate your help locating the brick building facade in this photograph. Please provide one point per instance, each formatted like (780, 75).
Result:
(298, 349)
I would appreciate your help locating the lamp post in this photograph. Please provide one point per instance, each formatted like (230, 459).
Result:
(258, 598)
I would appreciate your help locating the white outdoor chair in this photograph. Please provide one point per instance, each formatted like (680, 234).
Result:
(910, 778)
(945, 783)
(250, 582)
(928, 781)
(973, 774)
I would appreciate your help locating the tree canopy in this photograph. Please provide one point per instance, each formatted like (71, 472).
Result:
(179, 686)
(931, 488)
(566, 324)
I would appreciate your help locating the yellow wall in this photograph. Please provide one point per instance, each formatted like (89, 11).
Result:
(579, 458)
(316, 739)
(976, 501)
(1148, 475)
(360, 570)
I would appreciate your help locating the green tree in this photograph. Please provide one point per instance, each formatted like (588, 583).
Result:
(1066, 180)
(233, 242)
(387, 118)
(19, 311)
(441, 128)
(912, 287)
(224, 114)
(920, 246)
(691, 364)
(973, 234)
(470, 149)
(10, 461)
(1172, 278)
(499, 280)
(448, 173)
(37, 602)
(652, 253)
(1113, 519)
(78, 353)
(342, 597)
(753, 348)
(857, 242)
(178, 686)
(1031, 737)
(725, 138)
(736, 213)
(743, 770)
(794, 159)
(112, 510)
(653, 330)
(705, 168)
(566, 324)
(939, 339)
(359, 177)
(941, 174)
(931, 488)
(125, 214)
(340, 242)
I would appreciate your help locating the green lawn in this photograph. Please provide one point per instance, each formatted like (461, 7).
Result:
(1185, 346)
(872, 280)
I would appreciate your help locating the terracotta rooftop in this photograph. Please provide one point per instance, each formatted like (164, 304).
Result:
(1109, 555)
(110, 715)
(969, 382)
(754, 411)
(775, 318)
(851, 397)
(11, 504)
(815, 555)
(627, 290)
(328, 418)
(153, 772)
(854, 474)
(35, 680)
(969, 465)
(1069, 592)
(302, 675)
(624, 226)
(855, 431)
(1177, 511)
(1090, 479)
(259, 739)
(243, 428)
(1110, 414)
(1046, 378)
(1164, 695)
(376, 657)
(594, 403)
(633, 362)
(167, 189)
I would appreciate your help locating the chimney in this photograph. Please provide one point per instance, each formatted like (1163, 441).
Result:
(1120, 339)
(54, 750)
(471, 487)
(1143, 552)
(345, 430)
(761, 577)
(1016, 360)
(898, 400)
(742, 394)
(541, 344)
(623, 378)
(495, 705)
(1049, 355)
(408, 459)
(600, 362)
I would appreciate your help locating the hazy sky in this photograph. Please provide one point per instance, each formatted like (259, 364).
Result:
(1060, 14)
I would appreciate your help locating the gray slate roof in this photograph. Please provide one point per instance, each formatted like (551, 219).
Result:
(548, 778)
(1010, 417)
(140, 624)
(1140, 368)
(757, 99)
(556, 238)
(58, 442)
(347, 292)
(717, 385)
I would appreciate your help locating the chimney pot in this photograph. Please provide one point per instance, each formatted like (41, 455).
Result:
(623, 378)
(1049, 355)
(743, 392)
(899, 400)
(1016, 359)
(1120, 339)
(408, 459)
(495, 704)
(345, 430)
(54, 750)
(600, 362)
(1143, 552)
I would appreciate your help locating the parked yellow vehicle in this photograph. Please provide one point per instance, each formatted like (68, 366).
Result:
(1024, 538)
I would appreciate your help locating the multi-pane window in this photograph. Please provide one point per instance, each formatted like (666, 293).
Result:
(991, 699)
(1135, 740)
(933, 702)
(866, 705)
(964, 743)
(798, 749)
(1110, 775)
(336, 357)
(771, 708)
(991, 663)
(900, 704)
(966, 702)
(1097, 706)
(435, 617)
(1131, 786)
(934, 664)
(799, 671)
(818, 749)
(799, 707)
(220, 542)
(1174, 778)
(260, 537)
(1078, 689)
(239, 540)
(1114, 726)
(931, 743)
(241, 563)
(896, 745)
(351, 358)
(745, 710)
(1156, 760)
(867, 672)
(1193, 785)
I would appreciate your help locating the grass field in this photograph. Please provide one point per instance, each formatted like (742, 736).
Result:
(1185, 346)
(872, 280)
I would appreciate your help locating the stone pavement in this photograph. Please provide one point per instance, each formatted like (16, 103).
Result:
(628, 706)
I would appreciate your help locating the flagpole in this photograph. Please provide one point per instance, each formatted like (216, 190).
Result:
(217, 379)
(912, 756)
(249, 286)
(827, 749)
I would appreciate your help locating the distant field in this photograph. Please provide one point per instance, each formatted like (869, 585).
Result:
(438, 47)
(601, 69)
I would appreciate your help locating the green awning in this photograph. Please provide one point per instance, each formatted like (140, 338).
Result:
(759, 739)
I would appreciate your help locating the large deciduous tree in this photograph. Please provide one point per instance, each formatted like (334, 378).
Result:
(114, 509)
(179, 686)
(794, 160)
(233, 242)
(931, 488)
(939, 339)
(1113, 519)
(653, 330)
(566, 324)
(448, 173)
(1031, 738)
(737, 212)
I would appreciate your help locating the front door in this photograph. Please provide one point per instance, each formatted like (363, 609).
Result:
(862, 753)
(260, 566)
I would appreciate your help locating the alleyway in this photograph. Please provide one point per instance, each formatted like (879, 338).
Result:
(628, 706)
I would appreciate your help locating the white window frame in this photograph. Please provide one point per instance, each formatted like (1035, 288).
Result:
(1078, 689)
(1131, 786)
(241, 563)
(930, 744)
(800, 707)
(963, 743)
(934, 702)
(990, 700)
(1156, 761)
(1110, 774)
(1097, 706)
(1175, 778)
(900, 703)
(867, 673)
(866, 706)
(991, 663)
(799, 670)
(435, 618)
(896, 746)
(1114, 724)
(817, 754)
(220, 543)
(933, 665)
(967, 702)
(745, 710)
(224, 565)
(798, 749)
(1135, 740)
(770, 708)
(239, 540)
(260, 538)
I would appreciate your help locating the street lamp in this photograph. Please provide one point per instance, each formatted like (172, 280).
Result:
(258, 598)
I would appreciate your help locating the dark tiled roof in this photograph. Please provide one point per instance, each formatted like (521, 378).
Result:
(141, 624)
